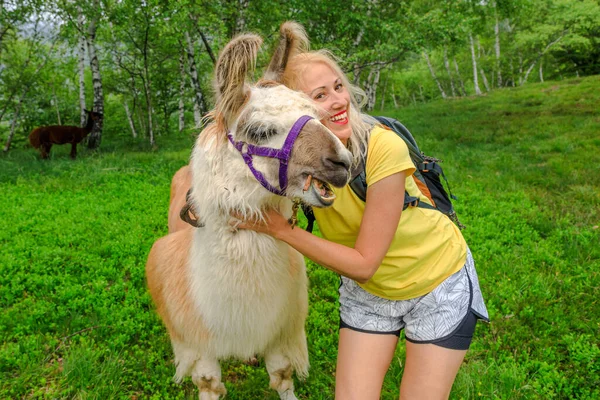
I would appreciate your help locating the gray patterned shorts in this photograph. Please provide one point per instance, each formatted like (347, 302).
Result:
(427, 319)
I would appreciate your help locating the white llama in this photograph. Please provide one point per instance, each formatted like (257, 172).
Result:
(223, 293)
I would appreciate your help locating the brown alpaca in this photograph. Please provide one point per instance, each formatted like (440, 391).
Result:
(44, 137)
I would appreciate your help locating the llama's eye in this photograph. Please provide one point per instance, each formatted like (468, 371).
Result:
(260, 134)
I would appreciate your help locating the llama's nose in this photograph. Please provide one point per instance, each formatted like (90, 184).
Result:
(336, 162)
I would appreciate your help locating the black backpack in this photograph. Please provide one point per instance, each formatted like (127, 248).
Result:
(427, 177)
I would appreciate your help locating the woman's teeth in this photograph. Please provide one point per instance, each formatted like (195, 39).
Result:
(339, 117)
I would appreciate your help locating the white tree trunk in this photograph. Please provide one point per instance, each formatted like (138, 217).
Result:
(485, 81)
(374, 83)
(140, 120)
(149, 111)
(538, 58)
(520, 69)
(81, 65)
(474, 61)
(497, 47)
(460, 79)
(385, 82)
(55, 101)
(541, 72)
(439, 85)
(130, 119)
(394, 97)
(182, 78)
(198, 97)
(95, 137)
(447, 65)
(356, 69)
(240, 24)
(2, 28)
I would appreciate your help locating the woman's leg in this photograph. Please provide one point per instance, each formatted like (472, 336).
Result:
(429, 371)
(363, 360)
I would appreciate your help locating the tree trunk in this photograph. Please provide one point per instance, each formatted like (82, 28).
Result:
(374, 82)
(439, 85)
(13, 124)
(539, 57)
(95, 137)
(421, 93)
(207, 46)
(140, 120)
(460, 79)
(394, 97)
(474, 61)
(520, 69)
(199, 107)
(3, 28)
(541, 72)
(6, 104)
(447, 65)
(382, 105)
(485, 81)
(240, 23)
(130, 119)
(497, 47)
(55, 100)
(182, 78)
(149, 110)
(81, 54)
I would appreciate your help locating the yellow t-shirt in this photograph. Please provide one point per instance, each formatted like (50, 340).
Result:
(427, 246)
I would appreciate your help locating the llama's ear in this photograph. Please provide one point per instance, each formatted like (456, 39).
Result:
(236, 60)
(292, 41)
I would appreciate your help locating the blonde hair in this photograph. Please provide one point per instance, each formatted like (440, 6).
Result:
(361, 123)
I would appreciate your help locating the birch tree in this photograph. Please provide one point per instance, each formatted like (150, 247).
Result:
(474, 63)
(199, 106)
(81, 66)
(95, 137)
(433, 75)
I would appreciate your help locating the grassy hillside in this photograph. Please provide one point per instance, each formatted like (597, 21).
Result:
(76, 320)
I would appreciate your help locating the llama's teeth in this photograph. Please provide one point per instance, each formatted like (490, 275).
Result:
(307, 183)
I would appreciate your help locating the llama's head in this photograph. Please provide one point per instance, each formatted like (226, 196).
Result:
(258, 120)
(94, 116)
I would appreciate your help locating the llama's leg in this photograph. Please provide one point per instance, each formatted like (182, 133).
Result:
(207, 376)
(45, 149)
(73, 150)
(185, 358)
(280, 373)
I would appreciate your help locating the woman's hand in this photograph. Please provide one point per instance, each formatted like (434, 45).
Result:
(273, 224)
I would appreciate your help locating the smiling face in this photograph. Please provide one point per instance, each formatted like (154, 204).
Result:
(326, 88)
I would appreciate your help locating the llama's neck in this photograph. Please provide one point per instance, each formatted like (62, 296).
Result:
(222, 186)
(88, 125)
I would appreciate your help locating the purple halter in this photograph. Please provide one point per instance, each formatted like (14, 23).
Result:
(282, 154)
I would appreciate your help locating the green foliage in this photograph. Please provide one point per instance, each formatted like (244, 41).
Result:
(76, 320)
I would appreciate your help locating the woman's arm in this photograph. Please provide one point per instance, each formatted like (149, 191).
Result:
(383, 208)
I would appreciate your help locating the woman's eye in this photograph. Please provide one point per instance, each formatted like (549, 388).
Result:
(339, 87)
(320, 96)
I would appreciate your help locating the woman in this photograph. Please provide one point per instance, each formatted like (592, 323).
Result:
(399, 269)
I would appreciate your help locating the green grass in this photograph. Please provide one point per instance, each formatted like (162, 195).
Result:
(76, 320)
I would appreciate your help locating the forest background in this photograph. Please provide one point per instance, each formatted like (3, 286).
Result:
(147, 65)
(505, 92)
